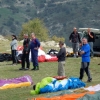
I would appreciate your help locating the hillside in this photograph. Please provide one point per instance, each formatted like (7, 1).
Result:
(60, 16)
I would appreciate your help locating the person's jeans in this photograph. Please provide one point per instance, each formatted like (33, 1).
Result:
(85, 67)
(91, 48)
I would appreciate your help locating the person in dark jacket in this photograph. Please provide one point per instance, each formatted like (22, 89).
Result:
(91, 40)
(25, 55)
(34, 46)
(13, 45)
(61, 59)
(75, 39)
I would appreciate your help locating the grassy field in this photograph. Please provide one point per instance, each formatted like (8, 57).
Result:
(46, 69)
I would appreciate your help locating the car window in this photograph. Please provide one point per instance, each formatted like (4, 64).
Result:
(97, 36)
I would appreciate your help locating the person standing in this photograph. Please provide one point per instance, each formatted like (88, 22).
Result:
(61, 59)
(75, 39)
(85, 53)
(25, 55)
(34, 46)
(91, 40)
(13, 45)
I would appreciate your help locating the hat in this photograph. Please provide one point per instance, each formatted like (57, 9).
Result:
(14, 36)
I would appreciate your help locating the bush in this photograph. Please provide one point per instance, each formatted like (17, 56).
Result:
(57, 39)
(37, 26)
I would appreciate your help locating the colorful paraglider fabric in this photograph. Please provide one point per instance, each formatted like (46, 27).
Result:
(16, 82)
(42, 56)
(68, 97)
(50, 84)
(59, 77)
(43, 83)
(20, 48)
(49, 58)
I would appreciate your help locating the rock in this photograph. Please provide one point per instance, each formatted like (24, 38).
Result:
(69, 50)
(57, 45)
(3, 39)
(22, 41)
(43, 44)
(50, 43)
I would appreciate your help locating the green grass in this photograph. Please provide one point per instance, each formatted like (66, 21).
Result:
(5, 46)
(46, 69)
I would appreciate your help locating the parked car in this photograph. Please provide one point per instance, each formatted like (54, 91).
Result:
(96, 47)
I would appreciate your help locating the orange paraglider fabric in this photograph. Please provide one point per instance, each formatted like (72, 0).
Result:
(65, 97)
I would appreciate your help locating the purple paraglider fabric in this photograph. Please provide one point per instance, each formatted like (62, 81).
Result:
(20, 80)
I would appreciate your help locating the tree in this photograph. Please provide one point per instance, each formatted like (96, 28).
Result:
(13, 28)
(57, 39)
(37, 26)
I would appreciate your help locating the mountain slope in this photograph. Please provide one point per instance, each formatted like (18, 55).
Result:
(60, 16)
